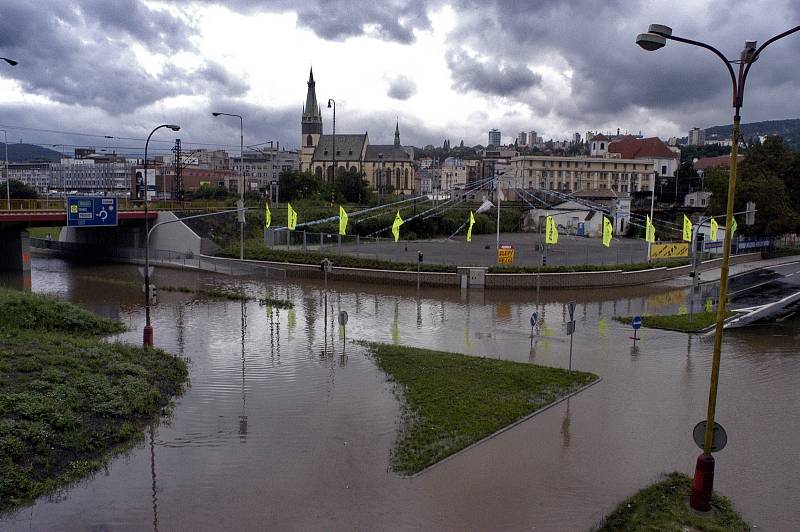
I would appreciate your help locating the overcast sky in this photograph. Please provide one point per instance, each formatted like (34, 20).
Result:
(446, 69)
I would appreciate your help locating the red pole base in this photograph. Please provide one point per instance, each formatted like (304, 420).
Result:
(703, 484)
(147, 336)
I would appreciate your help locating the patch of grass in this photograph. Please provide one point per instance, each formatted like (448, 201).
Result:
(453, 400)
(664, 507)
(677, 322)
(48, 314)
(69, 401)
(625, 267)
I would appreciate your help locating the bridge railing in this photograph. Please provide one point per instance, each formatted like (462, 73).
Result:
(123, 204)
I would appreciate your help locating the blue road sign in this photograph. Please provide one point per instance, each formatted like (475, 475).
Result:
(637, 322)
(534, 319)
(91, 211)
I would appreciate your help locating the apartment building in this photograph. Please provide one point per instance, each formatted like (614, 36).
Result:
(571, 174)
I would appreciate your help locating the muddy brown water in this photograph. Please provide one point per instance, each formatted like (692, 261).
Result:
(279, 430)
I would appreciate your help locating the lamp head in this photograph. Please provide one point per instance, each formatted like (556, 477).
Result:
(660, 29)
(216, 114)
(173, 127)
(329, 102)
(9, 61)
(650, 41)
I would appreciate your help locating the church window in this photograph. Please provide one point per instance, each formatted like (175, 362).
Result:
(309, 141)
(330, 173)
(602, 145)
(325, 152)
(350, 152)
(318, 171)
(352, 169)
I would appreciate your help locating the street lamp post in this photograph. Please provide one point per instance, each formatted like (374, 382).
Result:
(656, 38)
(241, 177)
(331, 100)
(8, 186)
(147, 335)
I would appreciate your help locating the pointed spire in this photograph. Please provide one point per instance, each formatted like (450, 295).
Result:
(397, 134)
(312, 117)
(311, 75)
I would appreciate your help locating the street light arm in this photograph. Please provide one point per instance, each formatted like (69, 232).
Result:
(715, 52)
(758, 51)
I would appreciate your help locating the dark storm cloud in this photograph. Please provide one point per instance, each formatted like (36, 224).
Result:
(613, 79)
(337, 20)
(81, 52)
(497, 77)
(401, 88)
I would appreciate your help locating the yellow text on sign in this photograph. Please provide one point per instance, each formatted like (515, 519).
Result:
(505, 254)
(669, 251)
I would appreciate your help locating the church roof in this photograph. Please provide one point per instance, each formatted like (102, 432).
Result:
(311, 108)
(386, 152)
(632, 148)
(348, 147)
(600, 137)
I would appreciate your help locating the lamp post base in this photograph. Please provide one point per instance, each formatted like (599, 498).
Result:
(147, 336)
(703, 484)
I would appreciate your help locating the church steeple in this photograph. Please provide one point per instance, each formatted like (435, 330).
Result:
(397, 134)
(312, 117)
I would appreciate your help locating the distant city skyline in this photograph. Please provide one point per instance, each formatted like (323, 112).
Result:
(86, 67)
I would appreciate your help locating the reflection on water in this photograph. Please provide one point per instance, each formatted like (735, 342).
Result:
(286, 425)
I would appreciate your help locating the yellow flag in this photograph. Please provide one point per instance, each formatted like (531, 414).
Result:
(650, 231)
(396, 226)
(551, 231)
(342, 221)
(608, 229)
(687, 229)
(734, 227)
(471, 223)
(267, 216)
(709, 305)
(714, 230)
(291, 217)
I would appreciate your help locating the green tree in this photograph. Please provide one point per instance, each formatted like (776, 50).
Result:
(302, 185)
(18, 189)
(352, 187)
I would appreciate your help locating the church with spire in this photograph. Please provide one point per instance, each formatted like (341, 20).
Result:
(386, 167)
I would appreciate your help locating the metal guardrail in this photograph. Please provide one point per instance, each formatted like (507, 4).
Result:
(123, 204)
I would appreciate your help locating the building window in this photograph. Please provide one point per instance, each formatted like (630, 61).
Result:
(309, 140)
(318, 171)
(664, 169)
(602, 145)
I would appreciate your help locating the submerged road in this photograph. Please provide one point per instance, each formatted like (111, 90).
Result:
(765, 285)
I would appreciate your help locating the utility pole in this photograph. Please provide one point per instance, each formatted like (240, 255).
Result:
(178, 185)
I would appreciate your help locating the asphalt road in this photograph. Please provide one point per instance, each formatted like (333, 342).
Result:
(570, 250)
(765, 285)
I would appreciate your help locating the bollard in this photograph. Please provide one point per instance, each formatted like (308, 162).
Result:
(304, 240)
(702, 484)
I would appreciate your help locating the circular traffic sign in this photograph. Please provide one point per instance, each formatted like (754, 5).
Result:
(343, 318)
(637, 322)
(719, 438)
(534, 319)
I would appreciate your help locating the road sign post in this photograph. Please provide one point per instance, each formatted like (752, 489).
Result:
(571, 329)
(534, 321)
(636, 324)
(91, 211)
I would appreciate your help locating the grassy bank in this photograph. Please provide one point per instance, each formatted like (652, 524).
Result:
(68, 400)
(677, 322)
(254, 249)
(452, 400)
(664, 507)
(212, 293)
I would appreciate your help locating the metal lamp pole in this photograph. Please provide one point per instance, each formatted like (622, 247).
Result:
(8, 181)
(147, 335)
(334, 139)
(241, 176)
(656, 38)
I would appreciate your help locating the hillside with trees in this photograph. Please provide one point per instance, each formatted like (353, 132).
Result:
(20, 153)
(788, 130)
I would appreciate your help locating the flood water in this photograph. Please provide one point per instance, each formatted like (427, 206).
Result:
(286, 427)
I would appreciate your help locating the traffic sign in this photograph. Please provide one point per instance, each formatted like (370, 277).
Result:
(343, 318)
(637, 322)
(571, 308)
(91, 211)
(571, 327)
(719, 438)
(149, 271)
(534, 319)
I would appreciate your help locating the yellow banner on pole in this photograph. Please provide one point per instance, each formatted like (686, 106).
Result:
(396, 226)
(291, 217)
(267, 216)
(687, 229)
(608, 229)
(471, 223)
(669, 250)
(650, 231)
(342, 220)
(551, 231)
(714, 230)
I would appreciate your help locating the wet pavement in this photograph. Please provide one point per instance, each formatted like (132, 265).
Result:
(765, 285)
(286, 427)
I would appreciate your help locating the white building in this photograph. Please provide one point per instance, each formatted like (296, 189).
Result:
(495, 138)
(696, 199)
(453, 173)
(599, 145)
(697, 136)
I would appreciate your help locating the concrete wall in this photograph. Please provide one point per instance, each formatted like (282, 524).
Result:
(176, 236)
